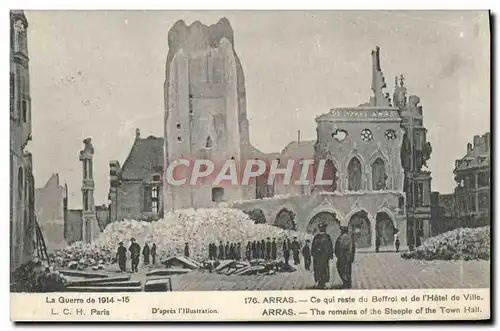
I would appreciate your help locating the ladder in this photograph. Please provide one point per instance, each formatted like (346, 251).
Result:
(41, 248)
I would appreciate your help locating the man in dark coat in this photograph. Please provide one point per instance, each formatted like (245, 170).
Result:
(145, 253)
(295, 251)
(210, 250)
(286, 250)
(322, 252)
(232, 251)
(186, 250)
(221, 250)
(268, 249)
(344, 251)
(135, 252)
(248, 251)
(254, 250)
(262, 249)
(226, 252)
(238, 251)
(121, 257)
(306, 253)
(274, 250)
(153, 253)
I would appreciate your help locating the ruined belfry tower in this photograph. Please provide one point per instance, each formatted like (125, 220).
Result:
(205, 107)
(90, 227)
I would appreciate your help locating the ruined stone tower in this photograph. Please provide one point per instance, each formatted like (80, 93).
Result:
(205, 107)
(90, 227)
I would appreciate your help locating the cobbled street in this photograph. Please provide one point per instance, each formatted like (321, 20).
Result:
(370, 271)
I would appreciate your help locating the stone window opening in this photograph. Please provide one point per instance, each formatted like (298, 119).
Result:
(179, 139)
(339, 135)
(217, 194)
(366, 135)
(178, 125)
(355, 175)
(390, 134)
(24, 108)
(152, 198)
(379, 175)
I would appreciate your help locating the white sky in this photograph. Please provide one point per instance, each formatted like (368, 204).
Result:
(100, 74)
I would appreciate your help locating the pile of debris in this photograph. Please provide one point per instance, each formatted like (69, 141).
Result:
(36, 276)
(254, 267)
(81, 256)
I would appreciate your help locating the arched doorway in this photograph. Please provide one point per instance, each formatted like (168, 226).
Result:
(285, 219)
(332, 224)
(384, 229)
(359, 227)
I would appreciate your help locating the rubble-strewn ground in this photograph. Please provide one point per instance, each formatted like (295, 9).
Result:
(370, 271)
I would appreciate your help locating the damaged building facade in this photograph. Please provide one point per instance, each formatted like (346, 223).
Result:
(376, 152)
(22, 189)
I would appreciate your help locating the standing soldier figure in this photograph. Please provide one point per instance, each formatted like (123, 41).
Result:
(396, 240)
(296, 251)
(306, 253)
(274, 250)
(121, 257)
(248, 251)
(254, 250)
(135, 252)
(221, 250)
(344, 251)
(232, 254)
(286, 250)
(262, 249)
(226, 251)
(238, 251)
(322, 252)
(145, 253)
(153, 253)
(268, 249)
(186, 250)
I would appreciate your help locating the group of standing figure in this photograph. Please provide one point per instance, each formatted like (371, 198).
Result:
(135, 252)
(229, 251)
(322, 251)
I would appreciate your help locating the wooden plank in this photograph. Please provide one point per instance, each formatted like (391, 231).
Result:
(167, 272)
(104, 289)
(91, 281)
(83, 274)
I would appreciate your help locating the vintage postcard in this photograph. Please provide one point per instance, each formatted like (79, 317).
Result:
(250, 165)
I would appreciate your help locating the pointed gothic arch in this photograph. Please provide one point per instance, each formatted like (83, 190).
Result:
(360, 228)
(355, 174)
(379, 175)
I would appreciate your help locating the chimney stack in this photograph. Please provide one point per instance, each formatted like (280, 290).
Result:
(487, 141)
(469, 147)
(477, 141)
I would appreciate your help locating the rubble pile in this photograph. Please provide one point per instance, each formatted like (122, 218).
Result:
(255, 267)
(34, 276)
(459, 244)
(80, 256)
(198, 228)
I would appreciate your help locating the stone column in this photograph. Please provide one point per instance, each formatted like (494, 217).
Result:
(90, 227)
(373, 229)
